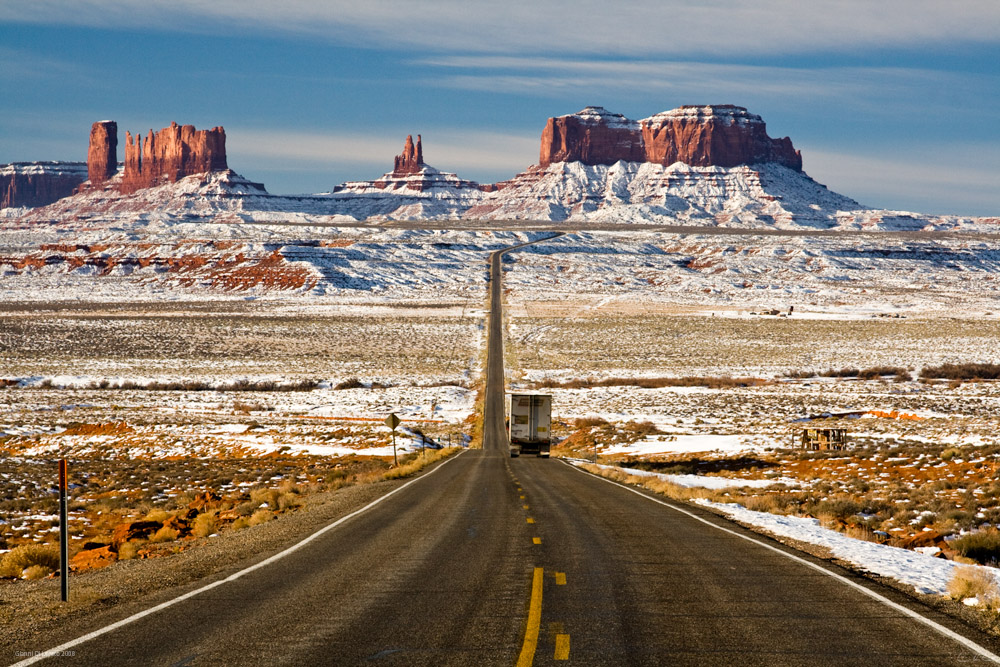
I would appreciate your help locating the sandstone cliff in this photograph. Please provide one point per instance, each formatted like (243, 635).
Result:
(102, 154)
(33, 184)
(700, 136)
(592, 136)
(171, 154)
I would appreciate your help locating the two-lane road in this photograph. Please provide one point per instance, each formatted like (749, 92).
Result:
(487, 561)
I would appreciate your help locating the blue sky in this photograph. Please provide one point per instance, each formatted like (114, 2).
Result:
(894, 103)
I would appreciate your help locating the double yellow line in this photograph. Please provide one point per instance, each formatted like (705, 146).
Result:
(535, 621)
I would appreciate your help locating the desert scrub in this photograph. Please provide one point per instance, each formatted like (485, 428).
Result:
(970, 581)
(260, 516)
(982, 546)
(37, 572)
(204, 525)
(165, 534)
(409, 467)
(129, 550)
(19, 559)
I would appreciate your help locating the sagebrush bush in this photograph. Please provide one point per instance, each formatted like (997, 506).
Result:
(18, 559)
(37, 572)
(265, 496)
(204, 525)
(129, 550)
(260, 516)
(156, 515)
(164, 534)
(982, 546)
(288, 501)
(973, 581)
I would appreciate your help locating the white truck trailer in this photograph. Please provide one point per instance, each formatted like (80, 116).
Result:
(529, 424)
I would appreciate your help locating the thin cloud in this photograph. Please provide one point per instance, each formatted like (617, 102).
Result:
(448, 150)
(554, 77)
(934, 178)
(679, 27)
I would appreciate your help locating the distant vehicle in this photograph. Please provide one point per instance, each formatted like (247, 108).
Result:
(529, 424)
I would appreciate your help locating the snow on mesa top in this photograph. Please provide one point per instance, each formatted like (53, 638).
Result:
(730, 113)
(600, 115)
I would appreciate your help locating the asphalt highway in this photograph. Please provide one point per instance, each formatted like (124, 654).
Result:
(488, 560)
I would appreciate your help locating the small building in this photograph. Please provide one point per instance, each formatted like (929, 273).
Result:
(822, 438)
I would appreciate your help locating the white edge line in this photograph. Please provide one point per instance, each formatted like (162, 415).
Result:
(950, 634)
(54, 652)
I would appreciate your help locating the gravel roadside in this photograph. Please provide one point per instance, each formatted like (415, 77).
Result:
(32, 618)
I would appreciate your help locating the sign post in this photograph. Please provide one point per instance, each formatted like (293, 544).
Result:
(392, 421)
(63, 532)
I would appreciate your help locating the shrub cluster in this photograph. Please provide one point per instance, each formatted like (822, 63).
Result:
(961, 372)
(194, 385)
(982, 546)
(37, 557)
(873, 373)
(652, 383)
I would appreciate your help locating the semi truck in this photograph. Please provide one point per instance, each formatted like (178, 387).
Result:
(529, 424)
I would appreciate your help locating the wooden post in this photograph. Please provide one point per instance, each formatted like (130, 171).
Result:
(63, 531)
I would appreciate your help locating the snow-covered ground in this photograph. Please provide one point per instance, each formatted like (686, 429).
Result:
(768, 196)
(702, 481)
(924, 572)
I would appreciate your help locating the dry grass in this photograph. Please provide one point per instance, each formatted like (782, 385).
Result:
(129, 550)
(259, 517)
(419, 462)
(204, 525)
(164, 534)
(17, 560)
(37, 572)
(970, 581)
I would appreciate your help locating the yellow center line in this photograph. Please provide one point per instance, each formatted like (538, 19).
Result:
(560, 579)
(525, 507)
(522, 497)
(536, 540)
(527, 656)
(562, 647)
(530, 520)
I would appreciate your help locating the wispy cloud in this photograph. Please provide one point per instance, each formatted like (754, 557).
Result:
(556, 76)
(22, 65)
(446, 149)
(955, 178)
(678, 27)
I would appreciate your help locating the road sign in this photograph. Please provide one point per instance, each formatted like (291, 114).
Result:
(392, 421)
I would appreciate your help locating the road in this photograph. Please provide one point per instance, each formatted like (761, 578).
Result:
(488, 560)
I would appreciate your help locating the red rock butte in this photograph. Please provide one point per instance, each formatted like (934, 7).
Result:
(412, 159)
(171, 154)
(721, 135)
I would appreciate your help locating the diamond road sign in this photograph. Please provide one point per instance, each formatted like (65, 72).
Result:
(392, 421)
